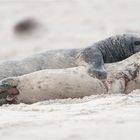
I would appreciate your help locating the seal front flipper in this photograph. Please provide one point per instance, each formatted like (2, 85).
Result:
(92, 58)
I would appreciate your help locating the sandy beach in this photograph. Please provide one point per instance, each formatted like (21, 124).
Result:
(69, 24)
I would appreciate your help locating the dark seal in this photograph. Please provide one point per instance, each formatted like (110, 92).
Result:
(112, 49)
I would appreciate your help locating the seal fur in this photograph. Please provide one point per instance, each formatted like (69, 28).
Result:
(112, 49)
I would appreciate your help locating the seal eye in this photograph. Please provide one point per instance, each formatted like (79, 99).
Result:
(137, 43)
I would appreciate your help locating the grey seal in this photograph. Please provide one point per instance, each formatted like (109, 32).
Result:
(112, 49)
(50, 84)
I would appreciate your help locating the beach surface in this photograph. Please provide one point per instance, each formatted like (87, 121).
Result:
(68, 24)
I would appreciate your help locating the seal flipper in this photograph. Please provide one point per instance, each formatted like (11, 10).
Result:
(94, 62)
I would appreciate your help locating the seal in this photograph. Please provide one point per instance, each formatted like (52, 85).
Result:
(51, 84)
(112, 49)
(123, 77)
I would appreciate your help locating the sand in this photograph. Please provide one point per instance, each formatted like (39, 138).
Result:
(69, 24)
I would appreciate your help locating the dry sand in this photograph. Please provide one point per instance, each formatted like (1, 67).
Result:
(69, 24)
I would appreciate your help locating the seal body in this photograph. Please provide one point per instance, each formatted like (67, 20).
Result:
(52, 84)
(113, 49)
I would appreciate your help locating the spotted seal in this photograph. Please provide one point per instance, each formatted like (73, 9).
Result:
(112, 49)
(50, 84)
